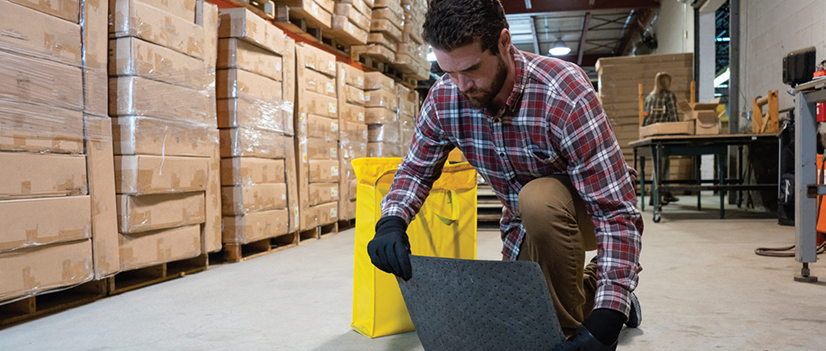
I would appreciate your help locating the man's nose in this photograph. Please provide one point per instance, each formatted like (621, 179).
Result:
(464, 82)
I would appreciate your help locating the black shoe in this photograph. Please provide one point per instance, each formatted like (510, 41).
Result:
(635, 316)
(669, 197)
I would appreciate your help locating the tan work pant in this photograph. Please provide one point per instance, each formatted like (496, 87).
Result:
(559, 231)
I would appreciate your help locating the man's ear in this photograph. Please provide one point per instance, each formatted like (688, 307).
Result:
(504, 40)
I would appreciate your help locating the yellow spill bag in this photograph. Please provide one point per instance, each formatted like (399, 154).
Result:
(444, 227)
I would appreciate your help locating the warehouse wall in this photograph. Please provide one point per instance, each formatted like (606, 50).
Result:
(674, 28)
(769, 30)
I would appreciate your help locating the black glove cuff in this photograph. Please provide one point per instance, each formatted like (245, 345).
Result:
(390, 224)
(605, 325)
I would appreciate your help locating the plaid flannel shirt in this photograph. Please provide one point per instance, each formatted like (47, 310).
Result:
(552, 124)
(660, 108)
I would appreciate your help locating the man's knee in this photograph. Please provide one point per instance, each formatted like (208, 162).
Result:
(546, 197)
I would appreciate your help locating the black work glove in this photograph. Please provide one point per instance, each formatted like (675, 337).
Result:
(600, 331)
(390, 250)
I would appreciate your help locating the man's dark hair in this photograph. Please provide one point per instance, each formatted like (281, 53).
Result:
(450, 24)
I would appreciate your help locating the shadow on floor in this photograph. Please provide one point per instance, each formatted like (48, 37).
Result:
(352, 340)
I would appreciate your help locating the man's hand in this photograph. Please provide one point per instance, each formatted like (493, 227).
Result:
(600, 331)
(390, 250)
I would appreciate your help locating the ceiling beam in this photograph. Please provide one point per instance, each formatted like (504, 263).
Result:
(636, 26)
(518, 6)
(585, 23)
(534, 36)
(588, 60)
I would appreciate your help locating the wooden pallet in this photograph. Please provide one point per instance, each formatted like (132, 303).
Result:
(297, 21)
(138, 278)
(370, 64)
(318, 232)
(346, 224)
(48, 303)
(242, 252)
(259, 10)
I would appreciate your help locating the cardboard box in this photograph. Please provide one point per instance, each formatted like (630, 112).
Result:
(347, 32)
(211, 229)
(247, 171)
(324, 192)
(382, 149)
(393, 5)
(100, 171)
(380, 115)
(346, 209)
(151, 136)
(236, 83)
(317, 104)
(132, 18)
(156, 247)
(153, 212)
(318, 215)
(321, 149)
(377, 80)
(316, 59)
(24, 224)
(350, 75)
(27, 79)
(323, 171)
(322, 127)
(361, 6)
(381, 38)
(40, 128)
(352, 113)
(36, 270)
(388, 133)
(289, 85)
(238, 142)
(235, 53)
(667, 128)
(352, 185)
(95, 23)
(136, 96)
(143, 174)
(376, 51)
(255, 226)
(131, 56)
(311, 11)
(315, 82)
(350, 12)
(705, 117)
(243, 24)
(258, 114)
(209, 20)
(29, 175)
(238, 200)
(293, 200)
(38, 34)
(388, 14)
(352, 95)
(387, 27)
(381, 98)
(184, 9)
(63, 9)
(352, 150)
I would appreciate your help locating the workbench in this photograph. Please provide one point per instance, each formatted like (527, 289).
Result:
(661, 146)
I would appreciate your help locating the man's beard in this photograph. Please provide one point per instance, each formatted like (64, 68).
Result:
(483, 97)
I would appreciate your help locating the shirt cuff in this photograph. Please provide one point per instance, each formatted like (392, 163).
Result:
(613, 297)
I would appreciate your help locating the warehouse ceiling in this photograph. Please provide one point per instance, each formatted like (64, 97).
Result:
(590, 28)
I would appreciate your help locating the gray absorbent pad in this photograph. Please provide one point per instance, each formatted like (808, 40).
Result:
(480, 305)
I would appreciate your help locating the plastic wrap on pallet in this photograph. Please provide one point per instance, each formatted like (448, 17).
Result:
(138, 96)
(351, 12)
(380, 115)
(381, 98)
(243, 24)
(156, 247)
(142, 213)
(150, 174)
(353, 34)
(239, 200)
(249, 171)
(378, 80)
(24, 224)
(255, 226)
(321, 149)
(353, 95)
(324, 128)
(236, 53)
(60, 40)
(383, 149)
(31, 175)
(134, 135)
(352, 113)
(316, 59)
(132, 18)
(350, 75)
(254, 113)
(318, 83)
(387, 133)
(129, 56)
(237, 142)
(36, 270)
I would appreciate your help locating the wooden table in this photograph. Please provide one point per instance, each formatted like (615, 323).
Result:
(660, 146)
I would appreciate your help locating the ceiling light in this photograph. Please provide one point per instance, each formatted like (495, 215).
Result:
(559, 48)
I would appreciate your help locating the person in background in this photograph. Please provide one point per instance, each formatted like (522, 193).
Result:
(661, 106)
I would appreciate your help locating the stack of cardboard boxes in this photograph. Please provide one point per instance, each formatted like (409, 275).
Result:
(411, 57)
(382, 115)
(352, 134)
(316, 13)
(351, 21)
(162, 100)
(385, 32)
(255, 82)
(317, 137)
(57, 201)
(619, 79)
(407, 116)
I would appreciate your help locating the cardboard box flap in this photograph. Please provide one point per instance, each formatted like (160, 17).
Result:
(696, 106)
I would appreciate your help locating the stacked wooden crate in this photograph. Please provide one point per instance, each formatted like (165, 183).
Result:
(57, 201)
(411, 57)
(162, 100)
(316, 137)
(382, 116)
(352, 134)
(619, 79)
(385, 32)
(351, 21)
(259, 192)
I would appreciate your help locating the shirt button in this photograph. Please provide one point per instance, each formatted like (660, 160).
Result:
(496, 120)
(501, 154)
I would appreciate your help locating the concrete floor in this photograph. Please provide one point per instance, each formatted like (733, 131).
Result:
(702, 288)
